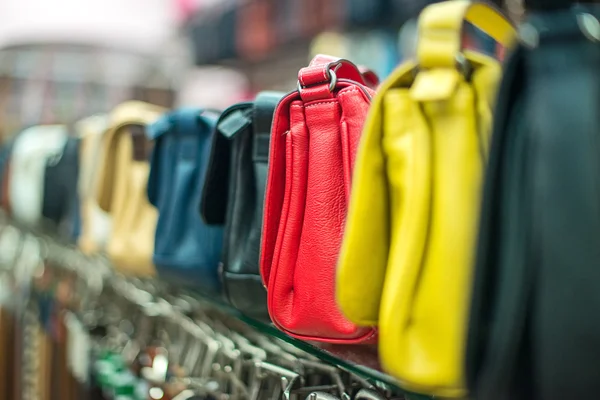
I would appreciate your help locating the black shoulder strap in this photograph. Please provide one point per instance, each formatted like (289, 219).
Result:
(264, 108)
(232, 121)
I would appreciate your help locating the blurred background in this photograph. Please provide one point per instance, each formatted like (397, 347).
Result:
(61, 60)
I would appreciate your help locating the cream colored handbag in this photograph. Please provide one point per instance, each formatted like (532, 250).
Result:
(95, 223)
(31, 152)
(121, 190)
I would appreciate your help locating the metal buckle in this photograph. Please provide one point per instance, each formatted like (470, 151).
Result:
(332, 77)
(463, 65)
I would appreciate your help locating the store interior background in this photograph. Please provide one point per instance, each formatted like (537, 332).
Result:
(183, 52)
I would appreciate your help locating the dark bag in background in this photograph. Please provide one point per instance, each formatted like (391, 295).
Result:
(186, 250)
(361, 13)
(227, 34)
(289, 26)
(535, 328)
(61, 203)
(234, 195)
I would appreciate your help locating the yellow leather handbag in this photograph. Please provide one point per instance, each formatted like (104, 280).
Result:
(121, 188)
(407, 254)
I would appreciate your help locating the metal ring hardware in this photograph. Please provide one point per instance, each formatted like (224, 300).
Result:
(332, 81)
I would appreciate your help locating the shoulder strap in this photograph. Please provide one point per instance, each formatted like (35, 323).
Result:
(264, 108)
(235, 120)
(440, 45)
(441, 26)
(319, 79)
(367, 76)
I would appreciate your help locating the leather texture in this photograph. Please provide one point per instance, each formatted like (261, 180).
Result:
(533, 328)
(314, 138)
(415, 200)
(186, 251)
(95, 224)
(31, 152)
(121, 190)
(60, 204)
(234, 195)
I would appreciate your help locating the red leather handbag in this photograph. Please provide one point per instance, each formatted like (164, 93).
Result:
(314, 137)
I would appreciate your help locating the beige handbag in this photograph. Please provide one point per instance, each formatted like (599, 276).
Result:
(95, 223)
(121, 188)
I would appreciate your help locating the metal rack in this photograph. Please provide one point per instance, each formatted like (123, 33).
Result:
(215, 350)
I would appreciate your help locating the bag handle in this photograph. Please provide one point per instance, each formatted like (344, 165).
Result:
(441, 26)
(318, 80)
(215, 193)
(368, 76)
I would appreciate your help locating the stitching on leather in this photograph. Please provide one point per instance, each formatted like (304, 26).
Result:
(333, 101)
(347, 91)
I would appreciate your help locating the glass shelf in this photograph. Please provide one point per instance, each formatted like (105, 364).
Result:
(361, 360)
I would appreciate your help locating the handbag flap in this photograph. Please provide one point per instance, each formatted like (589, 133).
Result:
(185, 122)
(233, 121)
(124, 115)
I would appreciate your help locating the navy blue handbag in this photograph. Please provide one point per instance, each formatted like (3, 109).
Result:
(186, 250)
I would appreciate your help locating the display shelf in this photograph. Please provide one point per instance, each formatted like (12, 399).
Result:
(64, 261)
(361, 360)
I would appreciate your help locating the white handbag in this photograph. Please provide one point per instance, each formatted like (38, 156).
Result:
(32, 150)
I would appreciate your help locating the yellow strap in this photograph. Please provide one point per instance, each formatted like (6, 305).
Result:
(441, 26)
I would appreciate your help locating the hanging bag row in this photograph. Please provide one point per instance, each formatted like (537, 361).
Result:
(347, 214)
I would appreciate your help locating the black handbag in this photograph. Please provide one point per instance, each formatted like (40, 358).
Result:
(234, 194)
(60, 202)
(534, 331)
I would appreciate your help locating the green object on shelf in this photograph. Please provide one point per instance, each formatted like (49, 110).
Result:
(104, 370)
